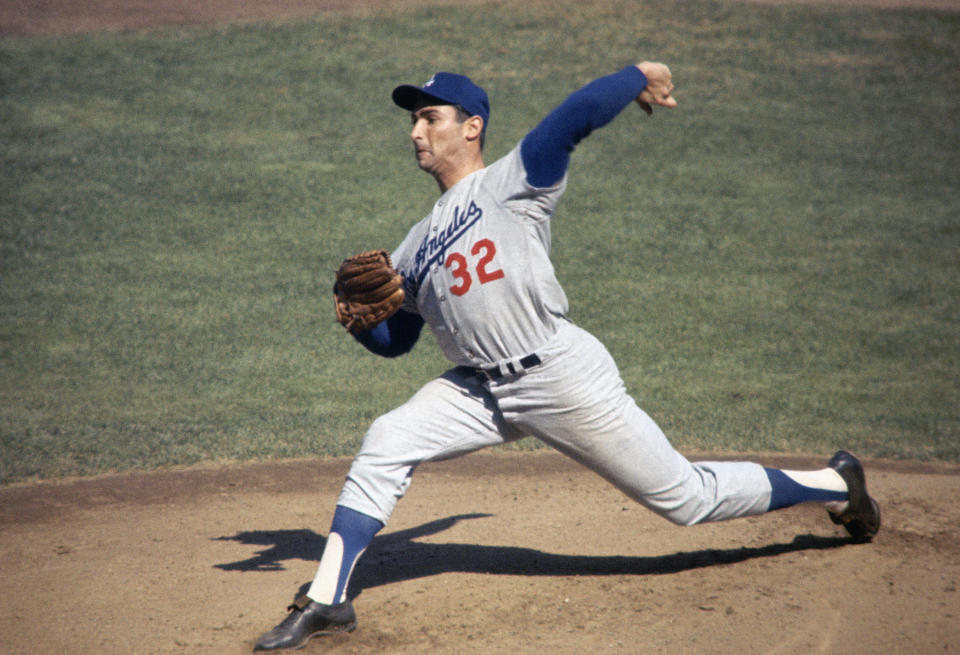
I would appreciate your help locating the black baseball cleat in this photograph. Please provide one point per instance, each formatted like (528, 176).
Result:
(862, 516)
(308, 619)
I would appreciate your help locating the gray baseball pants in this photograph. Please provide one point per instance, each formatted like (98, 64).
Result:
(574, 401)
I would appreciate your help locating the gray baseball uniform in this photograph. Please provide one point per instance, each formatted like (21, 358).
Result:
(478, 271)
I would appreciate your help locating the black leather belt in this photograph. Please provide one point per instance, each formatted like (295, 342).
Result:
(496, 374)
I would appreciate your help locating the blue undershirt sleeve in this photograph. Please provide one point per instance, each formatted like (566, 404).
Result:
(393, 337)
(546, 149)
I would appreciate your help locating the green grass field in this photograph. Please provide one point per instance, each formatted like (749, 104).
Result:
(775, 265)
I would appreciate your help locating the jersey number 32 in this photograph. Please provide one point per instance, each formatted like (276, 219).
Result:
(486, 249)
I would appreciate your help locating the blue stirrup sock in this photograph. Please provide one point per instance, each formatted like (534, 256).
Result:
(789, 488)
(350, 534)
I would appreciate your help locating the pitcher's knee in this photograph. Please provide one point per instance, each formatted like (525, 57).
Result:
(380, 473)
(684, 503)
(690, 513)
(374, 489)
(382, 436)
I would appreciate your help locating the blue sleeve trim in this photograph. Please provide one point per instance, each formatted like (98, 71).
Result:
(546, 149)
(393, 337)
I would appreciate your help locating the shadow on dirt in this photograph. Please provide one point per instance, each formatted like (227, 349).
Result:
(395, 557)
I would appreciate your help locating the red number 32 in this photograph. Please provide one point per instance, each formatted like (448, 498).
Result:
(461, 269)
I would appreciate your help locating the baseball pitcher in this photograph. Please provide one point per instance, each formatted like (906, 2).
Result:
(476, 269)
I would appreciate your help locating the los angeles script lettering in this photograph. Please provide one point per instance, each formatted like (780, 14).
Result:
(435, 245)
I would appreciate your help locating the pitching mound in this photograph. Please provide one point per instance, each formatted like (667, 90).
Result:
(492, 553)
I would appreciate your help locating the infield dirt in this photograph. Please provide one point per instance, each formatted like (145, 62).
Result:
(491, 553)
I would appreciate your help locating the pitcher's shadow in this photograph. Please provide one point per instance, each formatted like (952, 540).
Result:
(396, 556)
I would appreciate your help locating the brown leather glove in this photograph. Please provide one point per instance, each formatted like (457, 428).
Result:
(368, 290)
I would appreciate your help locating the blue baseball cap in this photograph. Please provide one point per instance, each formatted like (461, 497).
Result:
(448, 89)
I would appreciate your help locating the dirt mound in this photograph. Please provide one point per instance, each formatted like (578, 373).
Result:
(491, 553)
